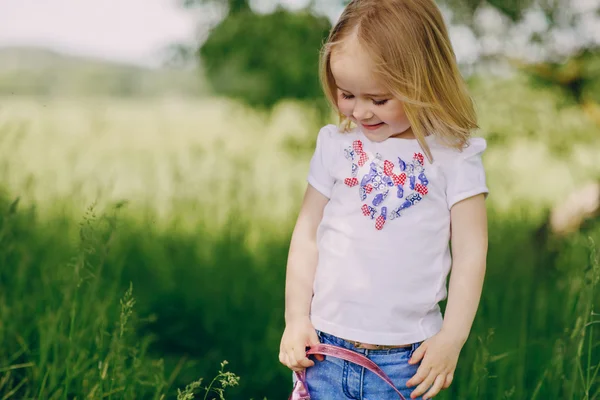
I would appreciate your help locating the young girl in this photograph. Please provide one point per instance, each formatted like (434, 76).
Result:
(387, 192)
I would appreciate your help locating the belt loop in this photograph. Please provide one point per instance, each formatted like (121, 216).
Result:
(413, 348)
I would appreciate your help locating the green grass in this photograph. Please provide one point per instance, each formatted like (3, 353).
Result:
(202, 298)
(150, 240)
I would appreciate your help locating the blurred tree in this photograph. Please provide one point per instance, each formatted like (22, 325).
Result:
(264, 58)
(562, 46)
(466, 9)
(233, 6)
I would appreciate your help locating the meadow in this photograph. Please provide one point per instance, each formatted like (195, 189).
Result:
(143, 242)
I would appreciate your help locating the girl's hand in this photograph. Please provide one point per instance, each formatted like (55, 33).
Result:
(440, 355)
(299, 333)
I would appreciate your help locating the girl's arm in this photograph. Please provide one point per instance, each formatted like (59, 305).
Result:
(439, 354)
(302, 258)
(301, 266)
(469, 253)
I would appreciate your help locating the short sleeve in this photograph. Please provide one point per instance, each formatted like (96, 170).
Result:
(319, 175)
(465, 176)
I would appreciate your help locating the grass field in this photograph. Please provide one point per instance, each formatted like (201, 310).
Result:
(149, 239)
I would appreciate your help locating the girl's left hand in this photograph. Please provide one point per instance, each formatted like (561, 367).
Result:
(440, 355)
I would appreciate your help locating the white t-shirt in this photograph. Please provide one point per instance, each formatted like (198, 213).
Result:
(383, 242)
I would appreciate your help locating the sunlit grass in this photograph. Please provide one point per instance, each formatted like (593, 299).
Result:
(212, 155)
(221, 155)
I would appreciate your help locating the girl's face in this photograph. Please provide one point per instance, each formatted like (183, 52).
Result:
(362, 99)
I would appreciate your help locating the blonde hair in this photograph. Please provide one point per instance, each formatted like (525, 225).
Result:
(408, 43)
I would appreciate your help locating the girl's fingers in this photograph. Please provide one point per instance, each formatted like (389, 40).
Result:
(313, 341)
(298, 364)
(301, 360)
(449, 379)
(437, 386)
(420, 376)
(283, 358)
(293, 364)
(418, 354)
(426, 384)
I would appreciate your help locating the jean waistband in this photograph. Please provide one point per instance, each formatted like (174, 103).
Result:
(347, 344)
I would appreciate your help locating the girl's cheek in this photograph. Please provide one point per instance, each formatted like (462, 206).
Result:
(345, 107)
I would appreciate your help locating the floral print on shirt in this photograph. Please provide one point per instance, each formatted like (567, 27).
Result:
(382, 183)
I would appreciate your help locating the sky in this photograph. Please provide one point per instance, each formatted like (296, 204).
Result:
(134, 31)
(125, 30)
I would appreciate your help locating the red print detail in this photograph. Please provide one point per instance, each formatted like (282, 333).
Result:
(351, 181)
(399, 179)
(368, 188)
(363, 159)
(365, 210)
(422, 189)
(362, 156)
(419, 157)
(388, 167)
(379, 222)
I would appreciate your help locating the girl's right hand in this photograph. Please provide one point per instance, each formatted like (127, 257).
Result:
(299, 333)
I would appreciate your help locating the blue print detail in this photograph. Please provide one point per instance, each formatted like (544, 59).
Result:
(349, 152)
(370, 176)
(382, 182)
(384, 212)
(354, 170)
(407, 204)
(401, 165)
(378, 183)
(423, 179)
(380, 198)
(363, 193)
(373, 212)
(400, 192)
(412, 182)
(414, 198)
(395, 214)
(366, 179)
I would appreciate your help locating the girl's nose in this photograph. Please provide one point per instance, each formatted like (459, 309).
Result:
(361, 112)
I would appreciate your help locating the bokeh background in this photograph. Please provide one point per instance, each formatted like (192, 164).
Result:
(153, 156)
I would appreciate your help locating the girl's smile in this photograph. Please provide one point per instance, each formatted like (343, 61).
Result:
(373, 126)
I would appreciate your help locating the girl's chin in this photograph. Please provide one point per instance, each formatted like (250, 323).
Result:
(375, 136)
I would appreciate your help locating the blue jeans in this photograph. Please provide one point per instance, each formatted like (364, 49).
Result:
(334, 379)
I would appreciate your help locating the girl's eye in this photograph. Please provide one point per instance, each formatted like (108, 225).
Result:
(379, 102)
(347, 96)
